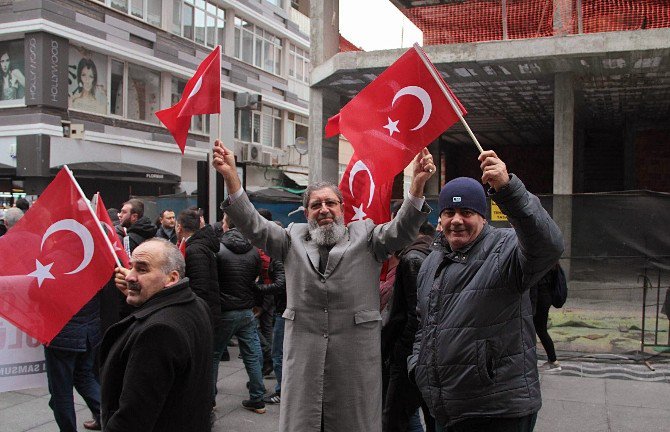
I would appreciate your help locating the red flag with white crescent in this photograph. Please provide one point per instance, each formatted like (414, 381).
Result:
(363, 199)
(55, 259)
(396, 115)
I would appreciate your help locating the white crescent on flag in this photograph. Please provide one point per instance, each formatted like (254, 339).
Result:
(196, 88)
(420, 94)
(360, 166)
(82, 232)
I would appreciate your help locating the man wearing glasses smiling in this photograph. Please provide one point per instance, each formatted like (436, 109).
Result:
(332, 352)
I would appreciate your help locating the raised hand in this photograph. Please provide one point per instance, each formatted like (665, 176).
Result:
(494, 170)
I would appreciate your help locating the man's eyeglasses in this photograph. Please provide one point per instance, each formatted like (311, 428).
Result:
(316, 205)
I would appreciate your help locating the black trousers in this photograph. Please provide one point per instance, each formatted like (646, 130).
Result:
(540, 320)
(402, 399)
(521, 424)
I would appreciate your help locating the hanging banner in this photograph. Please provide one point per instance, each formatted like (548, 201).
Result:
(21, 360)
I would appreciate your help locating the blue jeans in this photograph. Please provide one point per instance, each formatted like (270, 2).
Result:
(241, 323)
(67, 369)
(278, 349)
(414, 424)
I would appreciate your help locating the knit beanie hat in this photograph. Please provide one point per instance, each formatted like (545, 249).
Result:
(463, 192)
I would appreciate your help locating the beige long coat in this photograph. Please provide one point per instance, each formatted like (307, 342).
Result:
(332, 351)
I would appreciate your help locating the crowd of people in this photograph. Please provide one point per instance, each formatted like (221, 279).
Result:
(447, 336)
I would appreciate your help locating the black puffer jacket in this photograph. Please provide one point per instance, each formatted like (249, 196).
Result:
(398, 333)
(277, 287)
(82, 332)
(140, 231)
(172, 237)
(474, 353)
(239, 265)
(201, 269)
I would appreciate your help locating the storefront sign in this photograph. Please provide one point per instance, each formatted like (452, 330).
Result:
(46, 58)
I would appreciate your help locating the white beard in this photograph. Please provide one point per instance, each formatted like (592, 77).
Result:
(327, 235)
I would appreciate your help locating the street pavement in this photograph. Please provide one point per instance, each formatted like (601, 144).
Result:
(584, 396)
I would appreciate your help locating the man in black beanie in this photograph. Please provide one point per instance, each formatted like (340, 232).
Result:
(474, 354)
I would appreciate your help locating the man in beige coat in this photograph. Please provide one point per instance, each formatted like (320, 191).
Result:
(332, 356)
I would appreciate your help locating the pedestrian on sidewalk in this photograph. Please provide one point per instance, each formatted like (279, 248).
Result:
(332, 357)
(541, 295)
(69, 361)
(474, 356)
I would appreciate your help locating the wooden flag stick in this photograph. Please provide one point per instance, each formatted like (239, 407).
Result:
(446, 92)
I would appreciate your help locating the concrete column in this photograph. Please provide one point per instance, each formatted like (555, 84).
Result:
(562, 17)
(229, 33)
(324, 43)
(564, 128)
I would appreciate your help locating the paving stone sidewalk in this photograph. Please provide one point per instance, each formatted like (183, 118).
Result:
(584, 396)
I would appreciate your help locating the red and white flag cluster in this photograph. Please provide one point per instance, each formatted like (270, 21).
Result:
(55, 259)
(202, 95)
(388, 123)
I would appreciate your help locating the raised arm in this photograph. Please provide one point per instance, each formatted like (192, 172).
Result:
(401, 231)
(262, 233)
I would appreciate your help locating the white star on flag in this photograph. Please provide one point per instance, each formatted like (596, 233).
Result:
(41, 272)
(359, 214)
(392, 126)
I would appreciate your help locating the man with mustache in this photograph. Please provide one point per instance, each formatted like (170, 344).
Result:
(474, 355)
(156, 371)
(332, 356)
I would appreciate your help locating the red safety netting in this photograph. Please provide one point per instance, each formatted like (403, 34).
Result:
(484, 20)
(620, 15)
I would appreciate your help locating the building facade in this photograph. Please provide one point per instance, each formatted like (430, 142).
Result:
(82, 80)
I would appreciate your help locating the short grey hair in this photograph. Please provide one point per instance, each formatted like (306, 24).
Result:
(12, 216)
(172, 257)
(318, 186)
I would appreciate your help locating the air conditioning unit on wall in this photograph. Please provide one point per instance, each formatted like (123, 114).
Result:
(252, 153)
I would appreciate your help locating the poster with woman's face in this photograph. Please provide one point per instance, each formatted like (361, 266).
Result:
(87, 78)
(13, 82)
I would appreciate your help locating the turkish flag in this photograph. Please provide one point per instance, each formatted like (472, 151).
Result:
(202, 95)
(363, 198)
(396, 115)
(108, 226)
(54, 260)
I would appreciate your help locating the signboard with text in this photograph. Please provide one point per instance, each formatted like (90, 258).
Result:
(46, 70)
(21, 360)
(496, 214)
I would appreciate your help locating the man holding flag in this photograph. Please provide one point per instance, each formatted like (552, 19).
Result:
(332, 373)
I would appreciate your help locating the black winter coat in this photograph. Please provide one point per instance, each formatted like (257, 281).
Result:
(201, 269)
(277, 287)
(398, 333)
(157, 366)
(474, 353)
(161, 233)
(143, 229)
(239, 264)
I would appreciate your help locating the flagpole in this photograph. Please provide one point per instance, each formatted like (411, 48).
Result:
(218, 119)
(95, 217)
(455, 107)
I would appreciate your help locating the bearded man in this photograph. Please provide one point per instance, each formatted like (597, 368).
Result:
(332, 355)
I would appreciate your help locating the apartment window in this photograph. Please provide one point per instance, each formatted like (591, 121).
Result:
(257, 46)
(298, 126)
(146, 10)
(199, 21)
(248, 126)
(298, 64)
(271, 123)
(199, 123)
(135, 92)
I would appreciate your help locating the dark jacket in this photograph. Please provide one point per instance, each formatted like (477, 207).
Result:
(239, 265)
(82, 332)
(161, 233)
(474, 353)
(398, 333)
(143, 229)
(201, 269)
(157, 366)
(277, 287)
